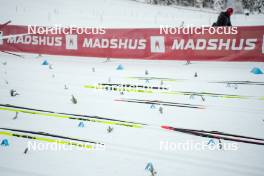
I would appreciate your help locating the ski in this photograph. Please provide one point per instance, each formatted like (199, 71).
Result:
(208, 94)
(18, 55)
(164, 103)
(149, 89)
(5, 24)
(47, 137)
(132, 86)
(217, 135)
(45, 113)
(155, 78)
(181, 80)
(241, 82)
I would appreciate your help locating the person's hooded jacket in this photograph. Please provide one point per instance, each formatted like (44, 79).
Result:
(224, 18)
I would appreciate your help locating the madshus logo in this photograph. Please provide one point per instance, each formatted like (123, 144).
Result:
(115, 43)
(157, 44)
(1, 38)
(71, 42)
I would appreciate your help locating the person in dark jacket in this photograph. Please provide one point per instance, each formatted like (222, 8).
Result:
(224, 18)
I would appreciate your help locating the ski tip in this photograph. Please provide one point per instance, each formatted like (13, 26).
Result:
(166, 127)
(118, 100)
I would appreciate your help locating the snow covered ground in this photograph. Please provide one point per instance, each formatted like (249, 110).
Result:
(109, 13)
(127, 150)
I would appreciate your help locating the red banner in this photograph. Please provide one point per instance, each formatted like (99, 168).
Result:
(207, 44)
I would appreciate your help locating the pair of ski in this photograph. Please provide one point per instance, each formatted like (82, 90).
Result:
(50, 138)
(163, 103)
(133, 86)
(179, 80)
(241, 82)
(201, 133)
(217, 135)
(78, 117)
(155, 78)
(162, 90)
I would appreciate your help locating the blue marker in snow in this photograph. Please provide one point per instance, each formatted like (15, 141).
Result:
(45, 63)
(149, 167)
(211, 142)
(120, 67)
(152, 106)
(256, 71)
(4, 142)
(81, 125)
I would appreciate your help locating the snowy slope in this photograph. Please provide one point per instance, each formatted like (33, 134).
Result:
(109, 13)
(127, 150)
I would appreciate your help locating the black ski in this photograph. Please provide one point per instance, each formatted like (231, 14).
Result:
(49, 135)
(217, 135)
(74, 116)
(164, 103)
(241, 82)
